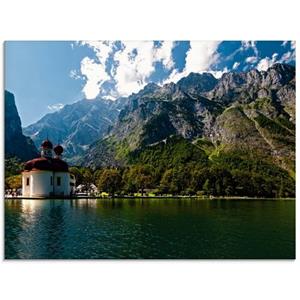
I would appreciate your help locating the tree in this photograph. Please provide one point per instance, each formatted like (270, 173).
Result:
(198, 177)
(165, 181)
(13, 166)
(13, 182)
(87, 179)
(138, 178)
(229, 190)
(110, 181)
(207, 187)
(77, 172)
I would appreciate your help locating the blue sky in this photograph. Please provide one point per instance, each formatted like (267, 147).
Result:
(46, 75)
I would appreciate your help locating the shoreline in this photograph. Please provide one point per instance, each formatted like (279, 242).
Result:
(146, 197)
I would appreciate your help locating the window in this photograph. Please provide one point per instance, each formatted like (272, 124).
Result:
(27, 181)
(58, 180)
(51, 180)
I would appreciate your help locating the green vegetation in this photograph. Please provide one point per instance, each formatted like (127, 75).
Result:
(13, 168)
(179, 167)
(13, 182)
(109, 181)
(270, 125)
(262, 103)
(84, 177)
(206, 145)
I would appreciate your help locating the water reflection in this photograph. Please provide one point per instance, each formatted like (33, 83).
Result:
(31, 206)
(149, 228)
(83, 203)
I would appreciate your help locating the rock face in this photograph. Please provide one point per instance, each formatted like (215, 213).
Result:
(196, 83)
(249, 111)
(77, 125)
(16, 144)
(247, 86)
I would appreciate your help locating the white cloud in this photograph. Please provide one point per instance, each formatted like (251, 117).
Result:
(95, 75)
(95, 71)
(164, 54)
(288, 57)
(235, 65)
(265, 63)
(74, 74)
(245, 46)
(293, 45)
(249, 45)
(175, 76)
(102, 49)
(135, 63)
(251, 59)
(218, 74)
(55, 107)
(199, 58)
(108, 97)
(132, 65)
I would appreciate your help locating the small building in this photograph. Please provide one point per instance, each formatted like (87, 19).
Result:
(89, 189)
(47, 176)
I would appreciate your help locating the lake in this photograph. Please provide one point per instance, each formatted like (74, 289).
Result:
(149, 228)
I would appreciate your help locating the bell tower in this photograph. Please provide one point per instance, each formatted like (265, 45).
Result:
(46, 149)
(58, 150)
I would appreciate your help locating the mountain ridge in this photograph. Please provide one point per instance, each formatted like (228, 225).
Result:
(264, 100)
(76, 125)
(99, 132)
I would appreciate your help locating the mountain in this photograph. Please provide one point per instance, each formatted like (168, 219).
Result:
(76, 125)
(232, 135)
(16, 143)
(245, 87)
(246, 114)
(196, 83)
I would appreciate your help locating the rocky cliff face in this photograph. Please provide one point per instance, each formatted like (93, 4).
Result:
(77, 125)
(16, 144)
(248, 86)
(250, 111)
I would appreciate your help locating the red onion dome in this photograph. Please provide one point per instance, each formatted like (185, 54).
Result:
(47, 144)
(58, 150)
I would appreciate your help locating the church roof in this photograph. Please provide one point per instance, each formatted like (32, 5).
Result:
(47, 164)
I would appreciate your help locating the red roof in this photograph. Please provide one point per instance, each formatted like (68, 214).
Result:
(50, 164)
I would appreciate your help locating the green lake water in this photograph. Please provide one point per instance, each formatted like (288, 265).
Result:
(149, 228)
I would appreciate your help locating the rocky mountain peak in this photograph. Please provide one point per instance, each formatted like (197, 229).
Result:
(197, 83)
(278, 75)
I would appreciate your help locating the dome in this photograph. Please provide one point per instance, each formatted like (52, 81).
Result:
(45, 164)
(58, 150)
(47, 144)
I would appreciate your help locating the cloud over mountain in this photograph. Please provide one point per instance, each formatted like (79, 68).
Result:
(120, 68)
